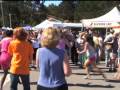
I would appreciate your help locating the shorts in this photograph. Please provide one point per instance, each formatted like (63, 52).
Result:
(92, 59)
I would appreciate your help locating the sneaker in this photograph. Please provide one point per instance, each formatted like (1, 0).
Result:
(110, 70)
(105, 78)
(34, 67)
(86, 77)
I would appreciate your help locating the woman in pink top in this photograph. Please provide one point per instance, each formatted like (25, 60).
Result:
(5, 58)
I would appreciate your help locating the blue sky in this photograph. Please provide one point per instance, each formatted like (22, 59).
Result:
(47, 3)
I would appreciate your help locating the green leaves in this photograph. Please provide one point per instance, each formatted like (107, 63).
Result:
(29, 12)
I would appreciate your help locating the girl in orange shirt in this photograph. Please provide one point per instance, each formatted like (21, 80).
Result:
(21, 51)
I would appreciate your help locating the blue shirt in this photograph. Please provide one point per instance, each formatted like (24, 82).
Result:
(51, 67)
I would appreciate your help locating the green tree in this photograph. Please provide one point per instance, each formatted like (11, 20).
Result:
(33, 12)
(53, 10)
(92, 9)
(66, 9)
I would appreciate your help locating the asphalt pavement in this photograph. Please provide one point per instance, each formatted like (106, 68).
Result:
(76, 81)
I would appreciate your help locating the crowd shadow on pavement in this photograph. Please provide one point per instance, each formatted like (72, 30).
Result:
(33, 83)
(113, 81)
(74, 68)
(103, 67)
(85, 73)
(91, 85)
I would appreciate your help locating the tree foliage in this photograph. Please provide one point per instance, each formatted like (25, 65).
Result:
(33, 12)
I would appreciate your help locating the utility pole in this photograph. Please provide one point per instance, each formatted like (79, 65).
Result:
(10, 20)
(2, 13)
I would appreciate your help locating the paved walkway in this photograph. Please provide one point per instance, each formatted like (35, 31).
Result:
(76, 80)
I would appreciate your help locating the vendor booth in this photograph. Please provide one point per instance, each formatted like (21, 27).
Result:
(105, 21)
(48, 23)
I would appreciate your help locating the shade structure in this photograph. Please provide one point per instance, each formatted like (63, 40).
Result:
(77, 25)
(47, 23)
(104, 21)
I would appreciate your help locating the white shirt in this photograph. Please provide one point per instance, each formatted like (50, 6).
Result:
(108, 38)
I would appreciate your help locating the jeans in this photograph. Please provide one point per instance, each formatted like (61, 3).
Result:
(15, 79)
(107, 56)
(97, 55)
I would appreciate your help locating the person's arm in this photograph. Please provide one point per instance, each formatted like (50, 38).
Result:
(66, 66)
(67, 42)
(107, 38)
(111, 41)
(84, 50)
(77, 50)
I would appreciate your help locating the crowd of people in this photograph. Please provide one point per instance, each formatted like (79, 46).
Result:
(51, 50)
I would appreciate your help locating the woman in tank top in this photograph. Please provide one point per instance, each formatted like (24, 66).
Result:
(91, 57)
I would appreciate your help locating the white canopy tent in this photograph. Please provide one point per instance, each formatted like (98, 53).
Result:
(55, 23)
(48, 23)
(72, 25)
(105, 21)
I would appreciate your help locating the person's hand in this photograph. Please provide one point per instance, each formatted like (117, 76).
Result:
(78, 52)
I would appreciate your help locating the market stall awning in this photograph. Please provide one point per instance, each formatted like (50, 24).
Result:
(104, 21)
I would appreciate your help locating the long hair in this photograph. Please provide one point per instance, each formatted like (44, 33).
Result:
(89, 39)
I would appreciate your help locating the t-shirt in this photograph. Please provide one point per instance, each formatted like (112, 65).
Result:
(51, 67)
(5, 57)
(20, 51)
(96, 41)
(108, 38)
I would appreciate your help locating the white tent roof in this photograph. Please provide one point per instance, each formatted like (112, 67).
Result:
(72, 25)
(48, 23)
(106, 20)
(55, 23)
